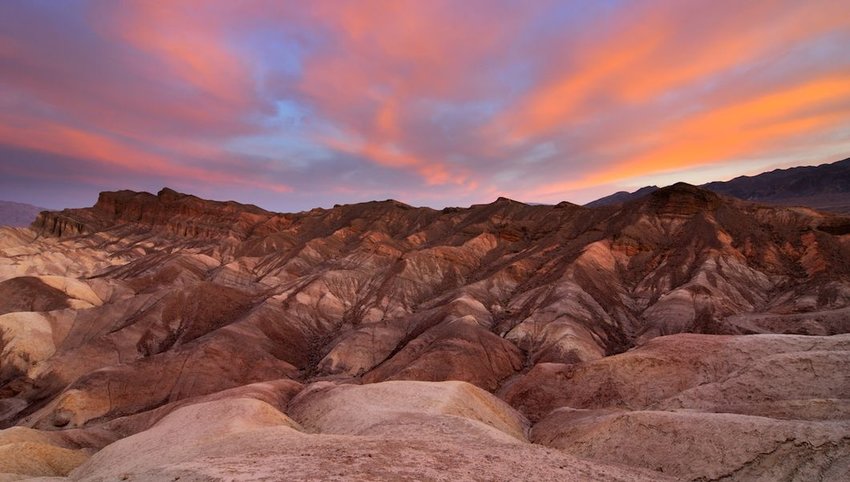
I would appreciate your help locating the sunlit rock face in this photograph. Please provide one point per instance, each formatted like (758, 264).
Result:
(162, 336)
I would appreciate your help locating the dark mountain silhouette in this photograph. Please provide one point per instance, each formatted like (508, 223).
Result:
(825, 187)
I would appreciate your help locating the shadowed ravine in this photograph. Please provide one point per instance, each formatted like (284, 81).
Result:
(684, 334)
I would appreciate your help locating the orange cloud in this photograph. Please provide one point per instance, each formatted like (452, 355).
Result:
(388, 155)
(745, 128)
(187, 44)
(67, 141)
(648, 52)
(554, 103)
(76, 143)
(507, 95)
(739, 40)
(397, 55)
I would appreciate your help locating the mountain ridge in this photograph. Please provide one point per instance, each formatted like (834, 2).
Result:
(230, 230)
(825, 186)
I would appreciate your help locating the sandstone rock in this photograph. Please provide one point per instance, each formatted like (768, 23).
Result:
(459, 349)
(26, 453)
(710, 446)
(248, 439)
(725, 369)
(372, 409)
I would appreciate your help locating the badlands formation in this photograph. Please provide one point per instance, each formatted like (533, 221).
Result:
(680, 336)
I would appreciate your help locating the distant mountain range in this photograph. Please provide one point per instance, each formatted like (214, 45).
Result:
(825, 187)
(17, 214)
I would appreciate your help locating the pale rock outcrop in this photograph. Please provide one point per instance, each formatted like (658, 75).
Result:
(27, 453)
(711, 446)
(248, 439)
(375, 408)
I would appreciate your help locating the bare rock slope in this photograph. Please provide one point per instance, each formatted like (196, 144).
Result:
(161, 336)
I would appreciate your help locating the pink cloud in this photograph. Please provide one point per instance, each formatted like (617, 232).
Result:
(446, 102)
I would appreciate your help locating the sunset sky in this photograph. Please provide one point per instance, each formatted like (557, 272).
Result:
(291, 105)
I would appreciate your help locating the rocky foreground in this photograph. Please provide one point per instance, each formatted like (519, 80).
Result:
(683, 335)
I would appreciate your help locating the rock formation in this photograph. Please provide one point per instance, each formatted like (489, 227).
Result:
(684, 334)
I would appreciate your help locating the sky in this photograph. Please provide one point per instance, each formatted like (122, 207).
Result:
(296, 104)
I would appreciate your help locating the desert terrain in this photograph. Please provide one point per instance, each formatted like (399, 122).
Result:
(683, 335)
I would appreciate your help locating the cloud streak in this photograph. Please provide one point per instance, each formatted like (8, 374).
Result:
(293, 104)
